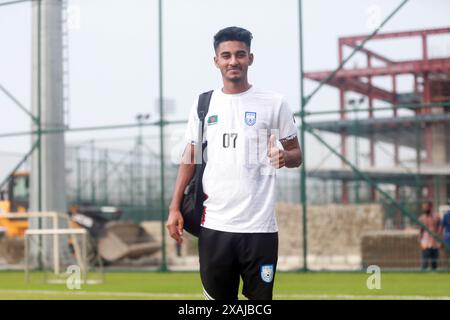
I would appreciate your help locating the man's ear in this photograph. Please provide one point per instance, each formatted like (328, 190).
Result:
(215, 62)
(251, 57)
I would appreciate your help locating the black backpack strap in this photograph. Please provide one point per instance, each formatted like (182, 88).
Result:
(203, 105)
(202, 109)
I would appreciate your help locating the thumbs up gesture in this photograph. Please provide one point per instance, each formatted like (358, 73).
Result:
(276, 156)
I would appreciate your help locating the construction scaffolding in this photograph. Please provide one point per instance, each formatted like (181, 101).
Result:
(417, 125)
(431, 84)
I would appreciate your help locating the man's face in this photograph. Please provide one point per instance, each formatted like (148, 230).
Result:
(233, 59)
(426, 207)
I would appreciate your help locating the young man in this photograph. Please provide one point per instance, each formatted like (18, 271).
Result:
(239, 234)
(429, 245)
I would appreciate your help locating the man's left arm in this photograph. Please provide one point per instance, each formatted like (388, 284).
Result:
(290, 156)
(292, 153)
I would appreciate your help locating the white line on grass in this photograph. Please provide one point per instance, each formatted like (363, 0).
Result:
(358, 297)
(200, 296)
(105, 293)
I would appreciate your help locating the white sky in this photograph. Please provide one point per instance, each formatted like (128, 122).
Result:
(114, 52)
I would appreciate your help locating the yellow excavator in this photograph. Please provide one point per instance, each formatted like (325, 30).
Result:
(114, 240)
(14, 198)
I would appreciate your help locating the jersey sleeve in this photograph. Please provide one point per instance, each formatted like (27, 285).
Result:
(286, 122)
(191, 134)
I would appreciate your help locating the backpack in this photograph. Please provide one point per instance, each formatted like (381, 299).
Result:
(192, 204)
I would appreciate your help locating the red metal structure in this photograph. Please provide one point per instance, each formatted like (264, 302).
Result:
(426, 89)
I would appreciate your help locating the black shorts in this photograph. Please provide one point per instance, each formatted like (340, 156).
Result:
(227, 256)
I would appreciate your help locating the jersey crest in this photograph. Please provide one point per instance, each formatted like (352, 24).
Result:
(250, 118)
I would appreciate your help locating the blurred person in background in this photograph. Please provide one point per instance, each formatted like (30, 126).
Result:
(429, 245)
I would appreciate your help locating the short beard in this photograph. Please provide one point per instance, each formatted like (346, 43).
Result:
(235, 80)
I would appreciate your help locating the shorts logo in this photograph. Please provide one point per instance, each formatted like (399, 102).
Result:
(267, 273)
(250, 118)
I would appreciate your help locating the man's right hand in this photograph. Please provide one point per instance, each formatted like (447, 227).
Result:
(175, 225)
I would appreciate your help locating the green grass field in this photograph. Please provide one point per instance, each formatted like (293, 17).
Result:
(186, 286)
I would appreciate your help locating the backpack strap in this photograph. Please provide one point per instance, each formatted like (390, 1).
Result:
(203, 105)
(202, 109)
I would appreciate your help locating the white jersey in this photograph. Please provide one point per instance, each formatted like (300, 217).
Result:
(238, 180)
